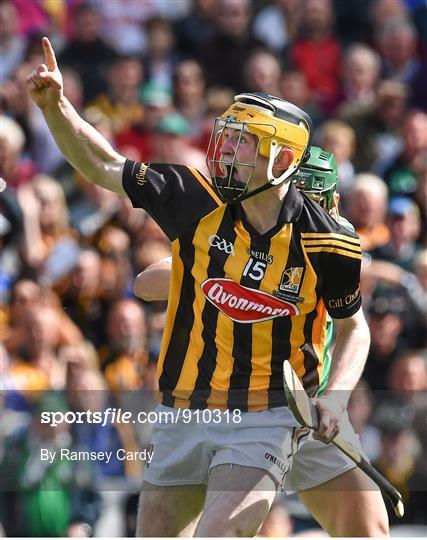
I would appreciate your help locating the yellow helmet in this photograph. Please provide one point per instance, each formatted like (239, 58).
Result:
(276, 123)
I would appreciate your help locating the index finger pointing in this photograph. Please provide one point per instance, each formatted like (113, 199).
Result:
(49, 54)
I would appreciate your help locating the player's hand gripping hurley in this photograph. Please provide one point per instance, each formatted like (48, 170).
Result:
(306, 414)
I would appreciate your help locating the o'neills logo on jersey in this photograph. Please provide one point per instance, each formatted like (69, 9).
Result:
(245, 305)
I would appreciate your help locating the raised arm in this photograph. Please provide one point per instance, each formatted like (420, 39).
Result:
(84, 148)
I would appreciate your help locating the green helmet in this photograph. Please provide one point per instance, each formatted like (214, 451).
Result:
(318, 177)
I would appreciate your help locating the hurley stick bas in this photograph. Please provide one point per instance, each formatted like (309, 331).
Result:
(306, 414)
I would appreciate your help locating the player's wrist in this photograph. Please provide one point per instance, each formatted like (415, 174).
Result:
(338, 399)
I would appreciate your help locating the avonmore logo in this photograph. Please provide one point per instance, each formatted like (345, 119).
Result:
(245, 305)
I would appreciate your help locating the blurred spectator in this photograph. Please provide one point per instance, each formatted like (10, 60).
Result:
(420, 266)
(403, 219)
(294, 88)
(189, 94)
(12, 420)
(217, 100)
(160, 57)
(418, 89)
(232, 40)
(397, 45)
(116, 271)
(414, 285)
(171, 143)
(276, 24)
(262, 73)
(122, 24)
(44, 497)
(40, 143)
(366, 209)
(383, 11)
(10, 237)
(317, 53)
(398, 449)
(132, 220)
(49, 246)
(82, 299)
(418, 482)
(125, 357)
(401, 171)
(386, 313)
(14, 167)
(92, 208)
(352, 20)
(194, 30)
(12, 45)
(150, 251)
(420, 197)
(339, 138)
(137, 140)
(408, 379)
(87, 390)
(361, 71)
(121, 103)
(87, 53)
(123, 21)
(37, 367)
(33, 17)
(26, 295)
(378, 126)
(360, 409)
(81, 356)
(73, 87)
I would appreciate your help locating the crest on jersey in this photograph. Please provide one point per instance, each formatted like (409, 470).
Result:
(292, 279)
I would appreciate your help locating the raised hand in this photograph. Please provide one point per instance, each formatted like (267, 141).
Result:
(45, 82)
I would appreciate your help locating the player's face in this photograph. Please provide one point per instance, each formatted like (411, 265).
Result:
(241, 150)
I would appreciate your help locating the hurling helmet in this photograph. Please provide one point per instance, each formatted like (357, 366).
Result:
(276, 123)
(318, 177)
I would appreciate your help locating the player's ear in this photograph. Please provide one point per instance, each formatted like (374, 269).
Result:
(336, 199)
(284, 159)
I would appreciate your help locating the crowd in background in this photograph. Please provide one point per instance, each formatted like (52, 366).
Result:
(150, 75)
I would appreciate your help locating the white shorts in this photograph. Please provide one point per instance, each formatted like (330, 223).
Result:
(315, 462)
(185, 449)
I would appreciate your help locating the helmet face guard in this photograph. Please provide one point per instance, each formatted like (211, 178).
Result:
(275, 123)
(222, 169)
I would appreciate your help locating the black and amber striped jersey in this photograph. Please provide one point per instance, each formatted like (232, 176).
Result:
(240, 302)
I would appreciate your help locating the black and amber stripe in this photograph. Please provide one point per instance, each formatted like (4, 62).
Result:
(331, 243)
(208, 359)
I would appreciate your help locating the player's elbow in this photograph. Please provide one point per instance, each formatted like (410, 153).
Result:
(147, 287)
(106, 172)
(141, 288)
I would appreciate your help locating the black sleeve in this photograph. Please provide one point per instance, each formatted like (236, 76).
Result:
(341, 263)
(175, 196)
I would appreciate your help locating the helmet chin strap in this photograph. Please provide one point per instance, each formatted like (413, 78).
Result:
(272, 180)
(266, 186)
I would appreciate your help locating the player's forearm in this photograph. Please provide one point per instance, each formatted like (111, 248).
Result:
(83, 147)
(349, 356)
